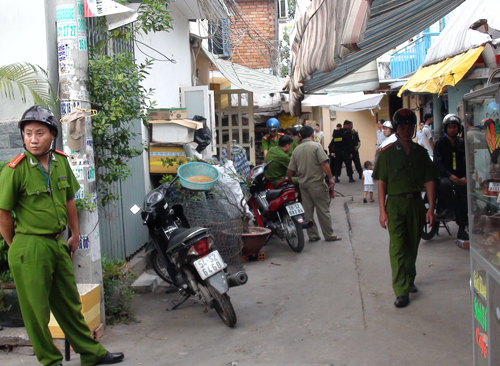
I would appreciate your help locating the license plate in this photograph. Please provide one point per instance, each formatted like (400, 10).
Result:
(210, 264)
(295, 209)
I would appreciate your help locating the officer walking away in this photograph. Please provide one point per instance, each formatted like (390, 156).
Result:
(311, 164)
(342, 151)
(403, 169)
(40, 187)
(449, 158)
(356, 142)
(272, 138)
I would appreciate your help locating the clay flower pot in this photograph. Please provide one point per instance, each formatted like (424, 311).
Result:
(254, 240)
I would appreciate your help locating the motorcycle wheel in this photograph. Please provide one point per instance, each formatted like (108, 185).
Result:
(159, 266)
(430, 232)
(295, 233)
(223, 307)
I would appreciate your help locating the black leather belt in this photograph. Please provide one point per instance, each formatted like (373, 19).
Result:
(408, 195)
(53, 236)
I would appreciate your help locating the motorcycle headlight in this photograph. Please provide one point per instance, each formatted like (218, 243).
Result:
(153, 197)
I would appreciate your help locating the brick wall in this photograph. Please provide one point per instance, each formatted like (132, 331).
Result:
(11, 143)
(261, 15)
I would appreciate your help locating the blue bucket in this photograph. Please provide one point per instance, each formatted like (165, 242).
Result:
(192, 169)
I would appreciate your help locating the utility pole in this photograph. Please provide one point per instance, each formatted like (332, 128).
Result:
(73, 95)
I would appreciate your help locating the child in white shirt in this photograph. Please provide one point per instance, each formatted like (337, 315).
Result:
(368, 180)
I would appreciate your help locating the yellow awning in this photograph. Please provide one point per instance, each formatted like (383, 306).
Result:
(435, 78)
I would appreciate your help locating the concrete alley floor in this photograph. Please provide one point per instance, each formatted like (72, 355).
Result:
(332, 304)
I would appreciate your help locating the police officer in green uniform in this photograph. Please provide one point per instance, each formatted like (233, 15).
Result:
(296, 138)
(277, 170)
(271, 139)
(40, 187)
(403, 169)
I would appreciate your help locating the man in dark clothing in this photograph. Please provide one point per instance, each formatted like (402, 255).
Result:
(343, 150)
(356, 143)
(449, 158)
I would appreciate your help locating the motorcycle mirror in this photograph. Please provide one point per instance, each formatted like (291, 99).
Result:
(135, 209)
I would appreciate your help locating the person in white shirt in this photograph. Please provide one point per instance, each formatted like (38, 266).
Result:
(420, 134)
(428, 138)
(318, 135)
(380, 132)
(368, 180)
(390, 136)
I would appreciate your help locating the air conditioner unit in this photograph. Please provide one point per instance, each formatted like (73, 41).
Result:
(219, 43)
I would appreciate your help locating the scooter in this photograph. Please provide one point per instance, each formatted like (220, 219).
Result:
(277, 208)
(186, 257)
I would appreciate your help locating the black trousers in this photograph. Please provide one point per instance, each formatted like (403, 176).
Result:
(357, 163)
(343, 157)
(454, 198)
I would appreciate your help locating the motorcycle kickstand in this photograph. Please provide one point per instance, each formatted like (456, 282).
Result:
(182, 300)
(269, 237)
(445, 224)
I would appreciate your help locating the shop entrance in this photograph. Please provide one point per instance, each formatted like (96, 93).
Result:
(234, 120)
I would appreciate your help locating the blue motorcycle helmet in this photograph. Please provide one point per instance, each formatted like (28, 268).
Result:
(273, 124)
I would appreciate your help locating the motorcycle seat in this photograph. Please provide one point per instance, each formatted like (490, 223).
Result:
(275, 193)
(182, 235)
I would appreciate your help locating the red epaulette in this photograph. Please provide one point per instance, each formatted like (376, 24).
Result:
(60, 152)
(265, 137)
(281, 134)
(388, 146)
(16, 160)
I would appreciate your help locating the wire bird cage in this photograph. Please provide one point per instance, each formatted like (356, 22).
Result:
(218, 211)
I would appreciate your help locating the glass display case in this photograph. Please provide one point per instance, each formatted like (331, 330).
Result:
(482, 141)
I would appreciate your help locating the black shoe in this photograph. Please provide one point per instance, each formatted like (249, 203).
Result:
(111, 358)
(351, 180)
(314, 239)
(337, 180)
(401, 301)
(413, 288)
(364, 200)
(462, 234)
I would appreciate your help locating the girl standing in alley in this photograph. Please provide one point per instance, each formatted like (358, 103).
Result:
(367, 180)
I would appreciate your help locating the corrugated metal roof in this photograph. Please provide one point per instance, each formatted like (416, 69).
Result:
(390, 23)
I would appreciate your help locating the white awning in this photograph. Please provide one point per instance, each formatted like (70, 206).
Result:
(245, 78)
(352, 102)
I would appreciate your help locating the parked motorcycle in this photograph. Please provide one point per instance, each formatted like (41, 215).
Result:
(277, 208)
(186, 257)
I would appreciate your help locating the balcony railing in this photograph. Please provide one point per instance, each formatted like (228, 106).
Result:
(411, 57)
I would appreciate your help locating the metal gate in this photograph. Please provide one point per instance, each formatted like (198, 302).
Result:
(121, 233)
(234, 120)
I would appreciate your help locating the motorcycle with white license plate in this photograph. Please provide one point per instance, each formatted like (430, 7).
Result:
(187, 257)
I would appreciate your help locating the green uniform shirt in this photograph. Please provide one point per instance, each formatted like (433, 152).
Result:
(269, 142)
(306, 160)
(404, 173)
(24, 191)
(293, 145)
(277, 170)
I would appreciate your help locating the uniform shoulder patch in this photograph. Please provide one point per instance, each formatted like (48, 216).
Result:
(60, 152)
(386, 147)
(16, 160)
(265, 137)
(281, 134)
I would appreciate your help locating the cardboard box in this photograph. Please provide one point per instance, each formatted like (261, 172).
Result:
(90, 297)
(157, 152)
(168, 113)
(175, 131)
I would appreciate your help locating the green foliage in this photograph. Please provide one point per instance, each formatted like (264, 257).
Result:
(22, 76)
(285, 55)
(118, 295)
(117, 94)
(85, 204)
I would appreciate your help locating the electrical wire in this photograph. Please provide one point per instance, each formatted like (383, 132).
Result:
(167, 59)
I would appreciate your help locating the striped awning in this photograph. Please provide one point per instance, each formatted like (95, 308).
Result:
(334, 38)
(245, 78)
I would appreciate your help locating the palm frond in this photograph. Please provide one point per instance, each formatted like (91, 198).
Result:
(25, 76)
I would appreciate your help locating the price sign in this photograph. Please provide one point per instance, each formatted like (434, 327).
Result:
(494, 187)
